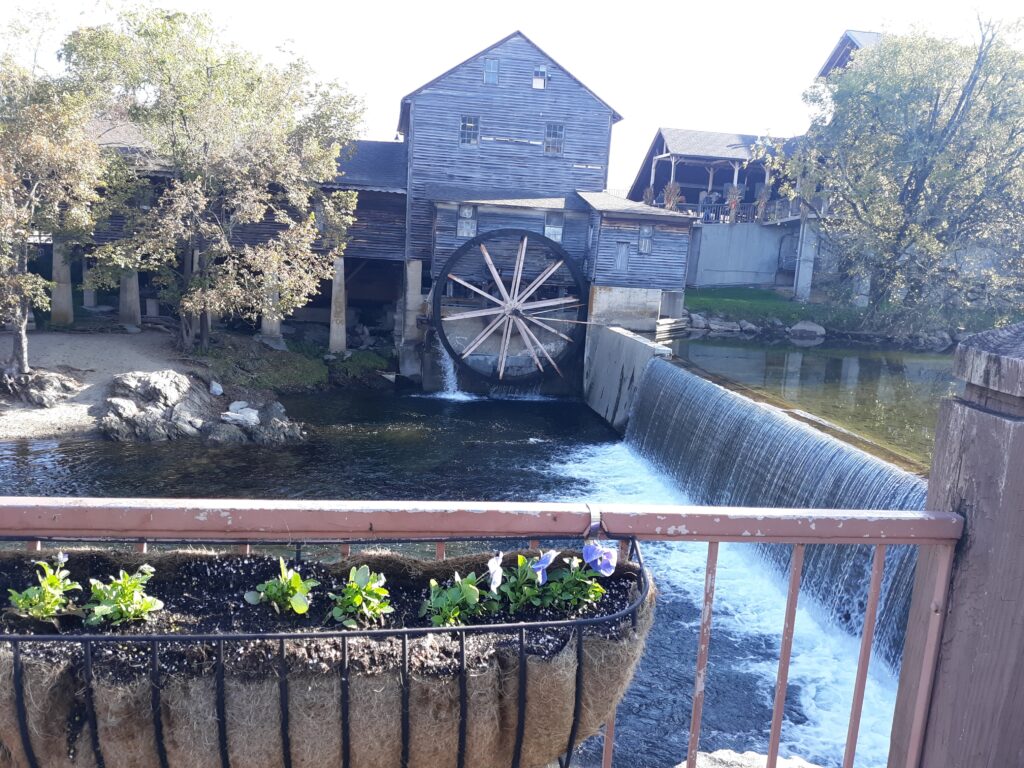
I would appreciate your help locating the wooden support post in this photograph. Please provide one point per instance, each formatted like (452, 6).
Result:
(711, 177)
(62, 311)
(735, 174)
(654, 166)
(339, 304)
(972, 717)
(672, 173)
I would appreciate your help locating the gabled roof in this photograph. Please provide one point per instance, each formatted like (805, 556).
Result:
(708, 144)
(403, 117)
(613, 204)
(505, 198)
(850, 41)
(380, 166)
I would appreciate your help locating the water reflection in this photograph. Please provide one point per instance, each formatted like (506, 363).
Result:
(889, 396)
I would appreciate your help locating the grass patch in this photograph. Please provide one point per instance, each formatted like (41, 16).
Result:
(244, 362)
(360, 369)
(758, 305)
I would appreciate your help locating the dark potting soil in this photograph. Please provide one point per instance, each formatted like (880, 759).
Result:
(203, 595)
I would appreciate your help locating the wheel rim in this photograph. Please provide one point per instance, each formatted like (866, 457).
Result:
(509, 306)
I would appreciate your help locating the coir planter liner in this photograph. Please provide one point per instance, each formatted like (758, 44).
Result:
(181, 692)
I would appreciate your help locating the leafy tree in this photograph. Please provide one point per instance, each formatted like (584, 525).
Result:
(50, 173)
(914, 162)
(233, 142)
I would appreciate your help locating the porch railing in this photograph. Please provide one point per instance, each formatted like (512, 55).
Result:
(38, 520)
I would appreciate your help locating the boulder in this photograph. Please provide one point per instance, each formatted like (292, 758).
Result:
(216, 389)
(159, 387)
(805, 329)
(698, 322)
(718, 325)
(726, 758)
(226, 433)
(243, 417)
(748, 327)
(42, 388)
(238, 405)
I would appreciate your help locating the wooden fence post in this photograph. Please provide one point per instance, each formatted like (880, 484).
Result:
(974, 715)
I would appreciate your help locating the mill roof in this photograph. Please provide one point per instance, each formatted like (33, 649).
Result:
(380, 166)
(605, 202)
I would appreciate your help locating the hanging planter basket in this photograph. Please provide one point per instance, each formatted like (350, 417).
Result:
(313, 695)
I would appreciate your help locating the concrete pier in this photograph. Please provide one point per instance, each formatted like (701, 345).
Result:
(614, 361)
(130, 308)
(338, 341)
(62, 310)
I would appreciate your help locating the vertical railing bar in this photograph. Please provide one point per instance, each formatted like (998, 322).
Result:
(142, 546)
(517, 751)
(154, 701)
(796, 567)
(534, 543)
(90, 707)
(346, 550)
(282, 688)
(702, 655)
(33, 546)
(298, 553)
(930, 653)
(577, 703)
(866, 640)
(345, 749)
(608, 748)
(463, 701)
(222, 708)
(19, 706)
(439, 553)
(405, 701)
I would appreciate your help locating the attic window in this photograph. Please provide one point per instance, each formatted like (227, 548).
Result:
(540, 77)
(466, 226)
(646, 238)
(554, 137)
(554, 222)
(491, 71)
(469, 130)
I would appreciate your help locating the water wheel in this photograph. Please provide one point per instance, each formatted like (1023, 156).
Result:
(510, 306)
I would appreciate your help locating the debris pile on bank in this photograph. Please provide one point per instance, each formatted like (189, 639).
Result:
(167, 405)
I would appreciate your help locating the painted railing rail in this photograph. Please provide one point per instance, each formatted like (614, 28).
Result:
(40, 519)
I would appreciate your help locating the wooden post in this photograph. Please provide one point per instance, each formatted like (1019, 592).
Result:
(62, 311)
(130, 308)
(672, 174)
(974, 714)
(711, 177)
(735, 174)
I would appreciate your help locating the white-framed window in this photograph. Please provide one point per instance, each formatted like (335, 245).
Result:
(469, 130)
(540, 77)
(554, 138)
(466, 225)
(621, 257)
(554, 223)
(491, 68)
(646, 244)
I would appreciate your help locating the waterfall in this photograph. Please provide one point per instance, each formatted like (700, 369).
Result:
(449, 377)
(725, 449)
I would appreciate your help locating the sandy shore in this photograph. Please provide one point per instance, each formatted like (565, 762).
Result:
(92, 358)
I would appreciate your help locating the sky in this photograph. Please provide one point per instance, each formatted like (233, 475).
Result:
(731, 65)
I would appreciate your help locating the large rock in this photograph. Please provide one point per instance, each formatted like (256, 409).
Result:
(167, 405)
(726, 758)
(42, 388)
(698, 322)
(748, 327)
(805, 329)
(718, 325)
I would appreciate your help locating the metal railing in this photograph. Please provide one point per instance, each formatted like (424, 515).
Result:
(241, 521)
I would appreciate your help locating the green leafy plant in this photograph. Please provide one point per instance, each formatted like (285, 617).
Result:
(573, 586)
(287, 592)
(123, 599)
(454, 603)
(50, 599)
(521, 587)
(363, 600)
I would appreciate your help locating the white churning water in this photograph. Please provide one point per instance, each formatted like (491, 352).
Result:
(750, 605)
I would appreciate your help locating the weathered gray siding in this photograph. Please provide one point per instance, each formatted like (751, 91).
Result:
(379, 229)
(664, 267)
(513, 119)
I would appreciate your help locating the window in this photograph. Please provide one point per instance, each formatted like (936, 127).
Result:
(621, 257)
(466, 226)
(646, 238)
(553, 224)
(469, 131)
(540, 77)
(490, 71)
(554, 137)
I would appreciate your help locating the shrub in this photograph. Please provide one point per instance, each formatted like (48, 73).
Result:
(456, 601)
(287, 592)
(364, 598)
(50, 599)
(123, 599)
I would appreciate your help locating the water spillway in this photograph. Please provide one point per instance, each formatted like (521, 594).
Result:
(724, 449)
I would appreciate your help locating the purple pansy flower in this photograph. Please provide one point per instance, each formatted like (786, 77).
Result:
(601, 558)
(494, 568)
(541, 564)
(61, 558)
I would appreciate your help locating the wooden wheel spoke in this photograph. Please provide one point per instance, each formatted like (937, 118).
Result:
(560, 302)
(528, 340)
(517, 275)
(482, 337)
(474, 313)
(539, 281)
(473, 288)
(543, 349)
(505, 338)
(547, 327)
(494, 273)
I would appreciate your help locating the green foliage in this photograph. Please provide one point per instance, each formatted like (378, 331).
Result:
(50, 599)
(287, 592)
(364, 599)
(521, 589)
(123, 599)
(244, 362)
(454, 603)
(573, 586)
(242, 141)
(914, 162)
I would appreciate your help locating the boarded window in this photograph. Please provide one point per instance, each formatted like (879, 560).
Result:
(554, 138)
(646, 238)
(540, 77)
(621, 257)
(466, 226)
(490, 71)
(469, 132)
(553, 225)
